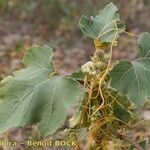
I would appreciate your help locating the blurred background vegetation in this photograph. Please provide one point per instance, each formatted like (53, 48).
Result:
(55, 23)
(24, 23)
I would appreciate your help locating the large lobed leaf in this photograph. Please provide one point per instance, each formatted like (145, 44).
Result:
(32, 95)
(132, 78)
(103, 24)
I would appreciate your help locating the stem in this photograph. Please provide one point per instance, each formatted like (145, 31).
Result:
(112, 29)
(105, 74)
(134, 143)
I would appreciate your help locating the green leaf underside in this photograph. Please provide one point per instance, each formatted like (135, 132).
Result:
(30, 96)
(78, 75)
(132, 78)
(103, 22)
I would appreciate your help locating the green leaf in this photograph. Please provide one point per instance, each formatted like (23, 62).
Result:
(121, 113)
(79, 75)
(132, 78)
(103, 25)
(121, 107)
(122, 100)
(33, 95)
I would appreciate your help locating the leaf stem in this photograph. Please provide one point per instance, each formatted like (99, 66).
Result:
(134, 143)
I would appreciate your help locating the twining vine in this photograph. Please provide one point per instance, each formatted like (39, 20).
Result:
(102, 107)
(98, 106)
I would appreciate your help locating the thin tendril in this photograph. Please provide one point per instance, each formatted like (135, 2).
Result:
(104, 75)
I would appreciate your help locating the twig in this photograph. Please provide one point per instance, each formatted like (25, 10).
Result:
(134, 143)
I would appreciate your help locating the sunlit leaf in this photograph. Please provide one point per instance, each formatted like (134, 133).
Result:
(104, 25)
(132, 78)
(32, 95)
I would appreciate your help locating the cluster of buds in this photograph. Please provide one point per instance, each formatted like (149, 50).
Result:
(89, 68)
(99, 60)
(96, 65)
